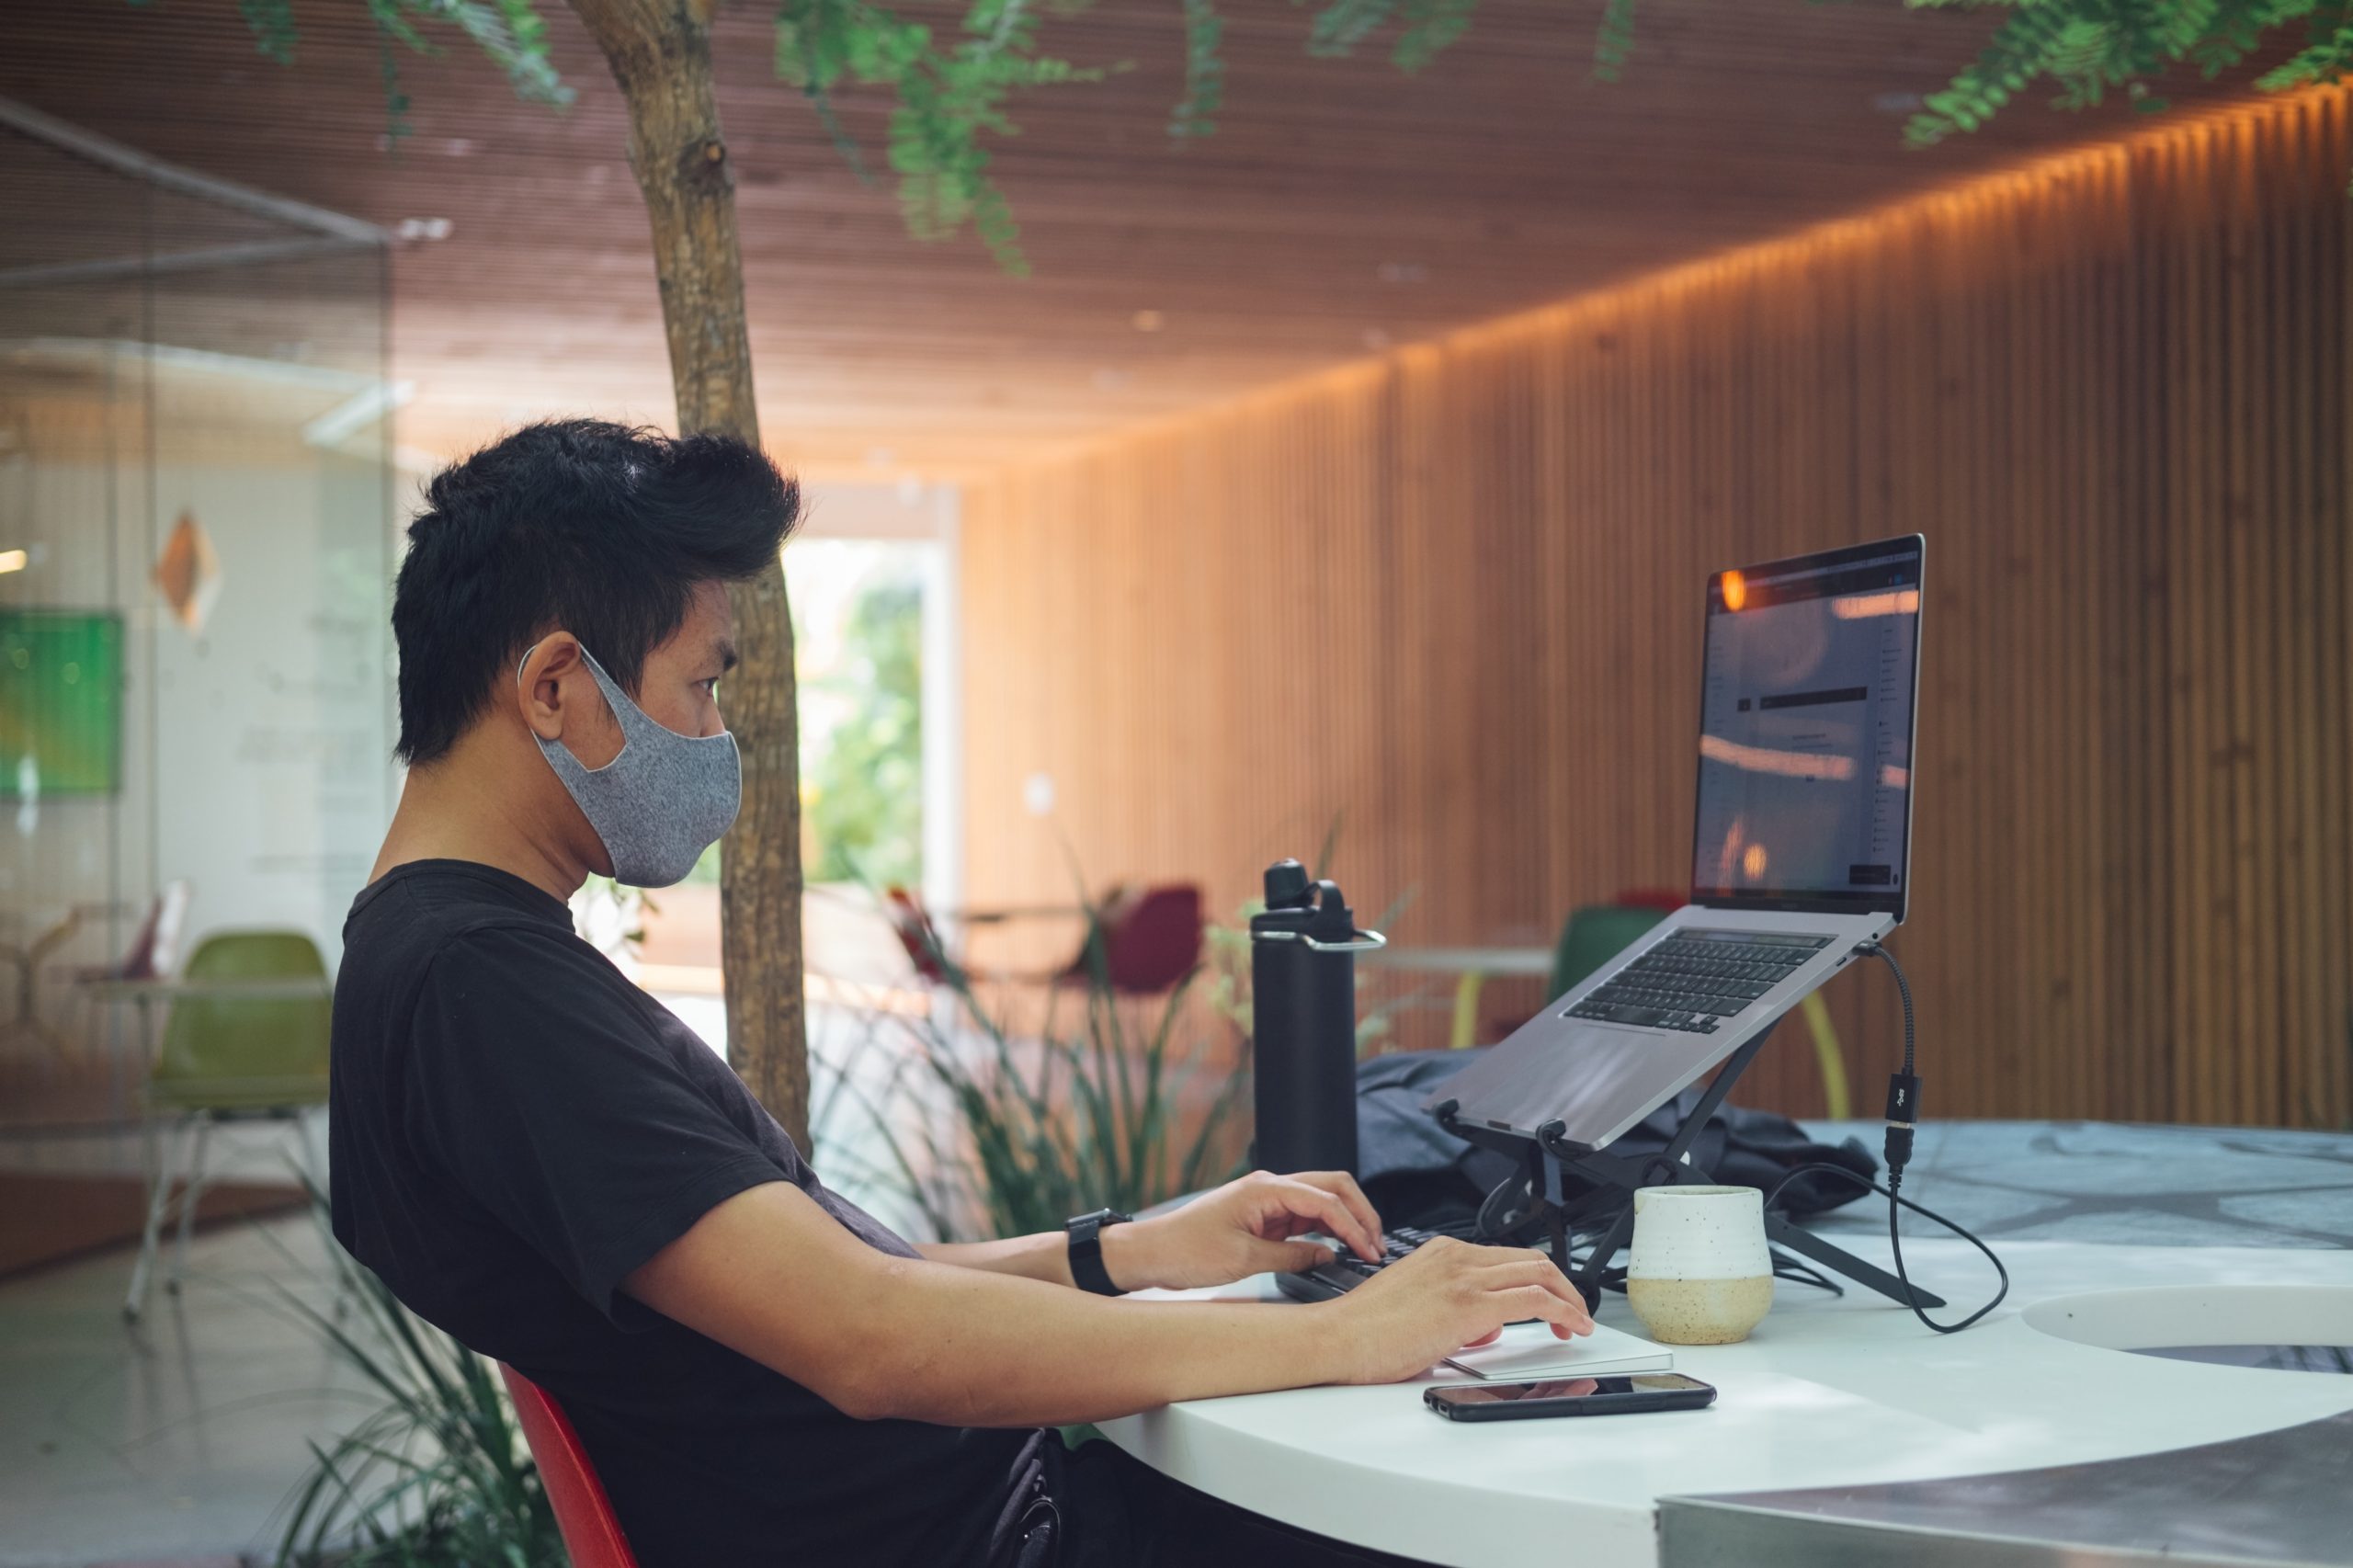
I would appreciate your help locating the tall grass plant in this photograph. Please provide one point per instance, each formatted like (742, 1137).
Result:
(438, 1477)
(985, 1132)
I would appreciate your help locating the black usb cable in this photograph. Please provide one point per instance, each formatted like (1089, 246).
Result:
(1902, 1121)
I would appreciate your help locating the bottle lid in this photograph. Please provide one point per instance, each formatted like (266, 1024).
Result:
(1297, 905)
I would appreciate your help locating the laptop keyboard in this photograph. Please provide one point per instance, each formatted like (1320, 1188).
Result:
(1346, 1271)
(1395, 1242)
(1696, 978)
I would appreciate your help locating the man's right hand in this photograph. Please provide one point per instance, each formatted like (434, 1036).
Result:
(1447, 1294)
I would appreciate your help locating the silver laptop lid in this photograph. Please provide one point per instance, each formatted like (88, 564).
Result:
(1808, 692)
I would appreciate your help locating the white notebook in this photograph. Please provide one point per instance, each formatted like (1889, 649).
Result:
(1528, 1353)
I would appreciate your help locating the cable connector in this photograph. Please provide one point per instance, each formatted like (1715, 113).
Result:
(1902, 1116)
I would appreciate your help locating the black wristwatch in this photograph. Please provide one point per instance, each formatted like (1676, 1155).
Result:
(1086, 1250)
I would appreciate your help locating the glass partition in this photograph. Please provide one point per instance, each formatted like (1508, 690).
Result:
(196, 542)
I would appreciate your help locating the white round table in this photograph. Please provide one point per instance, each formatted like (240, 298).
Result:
(1828, 1392)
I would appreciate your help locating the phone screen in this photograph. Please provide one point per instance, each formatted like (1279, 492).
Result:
(1568, 1388)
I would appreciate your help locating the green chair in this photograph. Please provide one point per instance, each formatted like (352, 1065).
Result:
(1594, 935)
(1598, 934)
(257, 1049)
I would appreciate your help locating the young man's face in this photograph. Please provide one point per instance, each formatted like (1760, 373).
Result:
(679, 688)
(678, 685)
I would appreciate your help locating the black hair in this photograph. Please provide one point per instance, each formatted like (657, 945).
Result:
(602, 530)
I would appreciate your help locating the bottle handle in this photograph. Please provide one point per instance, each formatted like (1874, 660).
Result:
(1358, 942)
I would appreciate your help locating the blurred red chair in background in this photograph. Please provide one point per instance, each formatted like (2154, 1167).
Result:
(1150, 938)
(1141, 942)
(911, 923)
(584, 1515)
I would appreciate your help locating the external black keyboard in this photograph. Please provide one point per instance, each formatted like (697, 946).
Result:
(1347, 1270)
(1694, 980)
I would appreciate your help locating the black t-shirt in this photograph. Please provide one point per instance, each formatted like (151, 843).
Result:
(517, 1128)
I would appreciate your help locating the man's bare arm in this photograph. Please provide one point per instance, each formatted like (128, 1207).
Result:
(1127, 1256)
(1247, 1226)
(772, 1275)
(1044, 1257)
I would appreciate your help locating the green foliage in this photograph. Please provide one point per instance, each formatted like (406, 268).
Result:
(947, 97)
(1613, 44)
(440, 1476)
(866, 797)
(1342, 25)
(1430, 27)
(511, 32)
(986, 1134)
(2087, 48)
(272, 22)
(1426, 27)
(1195, 115)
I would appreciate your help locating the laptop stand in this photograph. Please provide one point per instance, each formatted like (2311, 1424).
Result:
(1550, 1157)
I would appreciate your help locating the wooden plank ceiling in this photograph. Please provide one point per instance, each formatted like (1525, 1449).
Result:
(1340, 208)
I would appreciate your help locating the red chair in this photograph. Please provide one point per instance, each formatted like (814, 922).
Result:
(912, 925)
(584, 1515)
(1150, 938)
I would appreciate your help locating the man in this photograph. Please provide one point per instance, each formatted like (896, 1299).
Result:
(536, 1156)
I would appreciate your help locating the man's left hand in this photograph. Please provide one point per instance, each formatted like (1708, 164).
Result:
(1248, 1226)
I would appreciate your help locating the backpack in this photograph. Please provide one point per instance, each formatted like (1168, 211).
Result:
(1416, 1172)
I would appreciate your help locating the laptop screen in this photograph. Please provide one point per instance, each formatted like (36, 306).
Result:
(1806, 729)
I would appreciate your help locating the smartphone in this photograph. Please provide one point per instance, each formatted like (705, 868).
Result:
(1568, 1396)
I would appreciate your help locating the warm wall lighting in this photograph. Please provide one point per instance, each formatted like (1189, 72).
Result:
(13, 559)
(1149, 320)
(1736, 590)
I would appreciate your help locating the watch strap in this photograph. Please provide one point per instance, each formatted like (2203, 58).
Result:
(1085, 1234)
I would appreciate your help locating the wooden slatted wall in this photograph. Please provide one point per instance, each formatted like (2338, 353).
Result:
(1453, 599)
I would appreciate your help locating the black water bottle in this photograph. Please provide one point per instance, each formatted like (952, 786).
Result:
(1303, 1022)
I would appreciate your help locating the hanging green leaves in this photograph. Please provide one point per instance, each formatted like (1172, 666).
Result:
(949, 95)
(1195, 114)
(947, 98)
(1613, 45)
(2088, 48)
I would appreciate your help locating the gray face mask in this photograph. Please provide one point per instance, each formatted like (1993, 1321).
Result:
(660, 803)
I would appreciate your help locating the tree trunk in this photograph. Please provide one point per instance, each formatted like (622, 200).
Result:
(660, 54)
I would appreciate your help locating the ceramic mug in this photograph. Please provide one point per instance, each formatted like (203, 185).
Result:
(1700, 1273)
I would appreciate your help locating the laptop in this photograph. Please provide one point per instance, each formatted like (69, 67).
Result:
(1800, 843)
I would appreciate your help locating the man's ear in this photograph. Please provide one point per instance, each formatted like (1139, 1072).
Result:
(549, 665)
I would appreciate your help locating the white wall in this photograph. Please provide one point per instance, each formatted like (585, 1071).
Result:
(273, 735)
